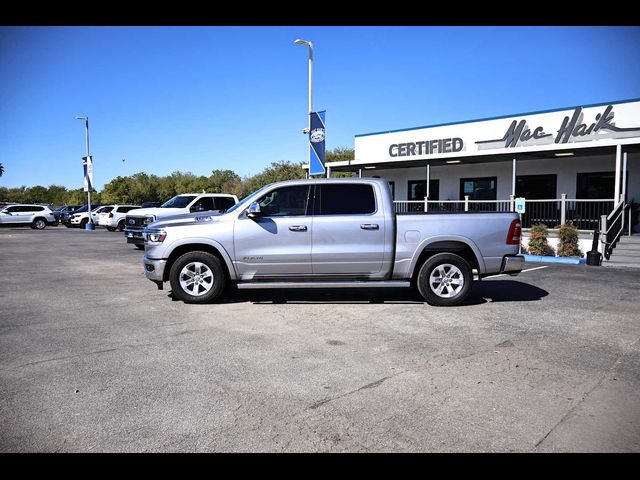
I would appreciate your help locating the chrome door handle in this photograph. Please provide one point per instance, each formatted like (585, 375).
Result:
(298, 228)
(370, 226)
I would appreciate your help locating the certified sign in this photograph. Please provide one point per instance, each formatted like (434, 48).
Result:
(520, 203)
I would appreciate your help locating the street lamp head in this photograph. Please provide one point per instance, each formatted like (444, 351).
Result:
(82, 118)
(302, 42)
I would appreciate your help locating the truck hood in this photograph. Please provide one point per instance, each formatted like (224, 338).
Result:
(185, 219)
(157, 211)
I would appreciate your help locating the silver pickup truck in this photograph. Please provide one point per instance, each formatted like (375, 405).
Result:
(330, 233)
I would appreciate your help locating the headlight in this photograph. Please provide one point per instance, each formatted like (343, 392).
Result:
(155, 236)
(150, 219)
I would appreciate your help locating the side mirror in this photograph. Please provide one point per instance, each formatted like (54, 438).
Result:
(254, 210)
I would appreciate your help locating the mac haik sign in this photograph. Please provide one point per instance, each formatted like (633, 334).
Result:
(601, 125)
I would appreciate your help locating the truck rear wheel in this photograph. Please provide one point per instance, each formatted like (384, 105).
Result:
(197, 277)
(445, 280)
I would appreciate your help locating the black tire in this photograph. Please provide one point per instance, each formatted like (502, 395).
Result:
(39, 224)
(121, 226)
(139, 247)
(213, 267)
(456, 273)
(83, 222)
(111, 229)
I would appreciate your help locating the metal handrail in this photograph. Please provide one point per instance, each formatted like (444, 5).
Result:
(610, 231)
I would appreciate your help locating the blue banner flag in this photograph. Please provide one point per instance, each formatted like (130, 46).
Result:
(87, 167)
(316, 143)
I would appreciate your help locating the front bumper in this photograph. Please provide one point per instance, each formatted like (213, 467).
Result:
(154, 269)
(134, 235)
(512, 264)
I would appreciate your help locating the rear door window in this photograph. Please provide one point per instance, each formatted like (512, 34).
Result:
(203, 205)
(346, 199)
(223, 203)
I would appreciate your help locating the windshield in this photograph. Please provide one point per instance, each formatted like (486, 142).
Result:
(242, 202)
(81, 209)
(179, 201)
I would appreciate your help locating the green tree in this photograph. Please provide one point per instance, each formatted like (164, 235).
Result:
(37, 194)
(340, 154)
(276, 172)
(57, 195)
(144, 188)
(1, 169)
(166, 188)
(118, 190)
(224, 181)
(78, 197)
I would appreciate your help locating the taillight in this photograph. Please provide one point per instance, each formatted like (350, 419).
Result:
(513, 237)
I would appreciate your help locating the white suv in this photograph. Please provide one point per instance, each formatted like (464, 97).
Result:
(115, 218)
(36, 216)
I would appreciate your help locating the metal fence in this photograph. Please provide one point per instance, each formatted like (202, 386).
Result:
(585, 214)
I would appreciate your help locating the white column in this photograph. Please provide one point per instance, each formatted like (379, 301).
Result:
(616, 191)
(359, 173)
(624, 176)
(513, 178)
(428, 178)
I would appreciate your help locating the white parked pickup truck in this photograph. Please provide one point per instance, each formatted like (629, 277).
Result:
(338, 233)
(186, 203)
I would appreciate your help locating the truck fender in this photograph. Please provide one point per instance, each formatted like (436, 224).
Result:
(212, 243)
(441, 238)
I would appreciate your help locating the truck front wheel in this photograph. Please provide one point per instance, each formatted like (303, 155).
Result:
(445, 280)
(197, 277)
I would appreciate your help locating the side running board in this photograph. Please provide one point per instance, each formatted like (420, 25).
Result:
(356, 284)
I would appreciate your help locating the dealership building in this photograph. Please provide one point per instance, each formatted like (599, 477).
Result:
(578, 163)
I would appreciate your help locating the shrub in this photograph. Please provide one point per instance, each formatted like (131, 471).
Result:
(538, 244)
(568, 246)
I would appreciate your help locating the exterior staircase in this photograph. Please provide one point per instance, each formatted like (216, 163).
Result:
(626, 253)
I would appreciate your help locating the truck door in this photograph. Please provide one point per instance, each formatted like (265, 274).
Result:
(279, 242)
(348, 230)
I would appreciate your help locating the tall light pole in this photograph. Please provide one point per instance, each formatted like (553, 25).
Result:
(310, 45)
(86, 124)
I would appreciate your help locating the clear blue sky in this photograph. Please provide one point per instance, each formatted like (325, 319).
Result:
(202, 98)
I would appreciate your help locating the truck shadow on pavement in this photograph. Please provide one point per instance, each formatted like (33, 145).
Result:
(482, 292)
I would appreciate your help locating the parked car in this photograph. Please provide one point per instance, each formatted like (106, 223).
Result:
(180, 204)
(80, 217)
(58, 212)
(65, 217)
(320, 233)
(95, 213)
(115, 218)
(36, 216)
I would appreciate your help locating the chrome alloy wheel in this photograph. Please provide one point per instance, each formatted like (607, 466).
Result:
(196, 278)
(446, 280)
(39, 224)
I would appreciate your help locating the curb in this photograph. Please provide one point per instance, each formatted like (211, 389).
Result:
(549, 259)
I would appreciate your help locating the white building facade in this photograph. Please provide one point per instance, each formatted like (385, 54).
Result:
(577, 163)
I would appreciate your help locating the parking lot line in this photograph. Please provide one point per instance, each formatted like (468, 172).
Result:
(526, 270)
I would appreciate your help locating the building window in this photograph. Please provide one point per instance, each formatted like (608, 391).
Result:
(417, 189)
(483, 188)
(595, 185)
(536, 187)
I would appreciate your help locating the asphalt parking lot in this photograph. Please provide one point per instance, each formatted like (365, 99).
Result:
(94, 358)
